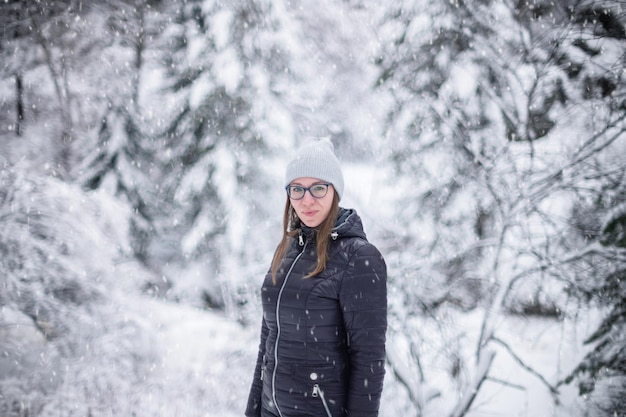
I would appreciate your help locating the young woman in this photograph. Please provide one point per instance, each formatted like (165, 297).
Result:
(322, 350)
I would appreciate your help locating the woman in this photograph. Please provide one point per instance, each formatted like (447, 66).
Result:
(322, 349)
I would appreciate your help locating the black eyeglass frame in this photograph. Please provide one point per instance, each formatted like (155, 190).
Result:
(289, 187)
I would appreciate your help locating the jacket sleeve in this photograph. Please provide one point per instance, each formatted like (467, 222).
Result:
(253, 408)
(363, 297)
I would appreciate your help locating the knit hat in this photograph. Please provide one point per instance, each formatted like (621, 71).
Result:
(316, 159)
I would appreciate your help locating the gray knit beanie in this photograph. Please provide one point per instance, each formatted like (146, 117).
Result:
(316, 159)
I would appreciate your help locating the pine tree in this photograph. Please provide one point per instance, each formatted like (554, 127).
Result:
(226, 64)
(601, 375)
(120, 155)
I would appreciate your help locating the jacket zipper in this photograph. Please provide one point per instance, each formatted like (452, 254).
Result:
(317, 391)
(280, 294)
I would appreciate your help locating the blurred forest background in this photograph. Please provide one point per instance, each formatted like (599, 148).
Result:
(142, 146)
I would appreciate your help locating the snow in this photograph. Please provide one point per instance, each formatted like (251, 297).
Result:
(213, 357)
(86, 328)
(206, 363)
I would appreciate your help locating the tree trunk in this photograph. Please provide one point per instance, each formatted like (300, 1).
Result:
(139, 49)
(19, 100)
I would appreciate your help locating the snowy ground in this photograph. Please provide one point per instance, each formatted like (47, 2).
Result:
(208, 360)
(542, 346)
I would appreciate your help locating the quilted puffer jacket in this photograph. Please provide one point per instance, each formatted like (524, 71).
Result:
(322, 349)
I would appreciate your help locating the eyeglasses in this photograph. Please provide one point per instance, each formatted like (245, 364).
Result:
(296, 192)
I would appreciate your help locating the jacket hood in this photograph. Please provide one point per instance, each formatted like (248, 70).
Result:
(349, 224)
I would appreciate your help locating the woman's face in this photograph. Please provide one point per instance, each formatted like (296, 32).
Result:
(310, 210)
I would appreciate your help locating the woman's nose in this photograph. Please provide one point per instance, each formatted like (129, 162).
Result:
(308, 197)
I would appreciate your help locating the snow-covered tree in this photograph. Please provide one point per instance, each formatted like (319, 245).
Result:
(40, 35)
(498, 110)
(66, 348)
(599, 220)
(119, 130)
(246, 81)
(226, 68)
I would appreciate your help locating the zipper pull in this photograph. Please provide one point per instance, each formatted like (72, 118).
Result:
(300, 240)
(334, 235)
(317, 392)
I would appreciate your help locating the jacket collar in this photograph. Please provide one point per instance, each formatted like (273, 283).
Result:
(348, 225)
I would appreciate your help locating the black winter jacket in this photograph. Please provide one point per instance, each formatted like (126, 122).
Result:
(322, 350)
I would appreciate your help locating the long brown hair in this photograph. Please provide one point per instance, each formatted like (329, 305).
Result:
(291, 229)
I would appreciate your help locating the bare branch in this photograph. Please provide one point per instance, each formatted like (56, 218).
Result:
(520, 362)
(471, 391)
(506, 383)
(416, 396)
